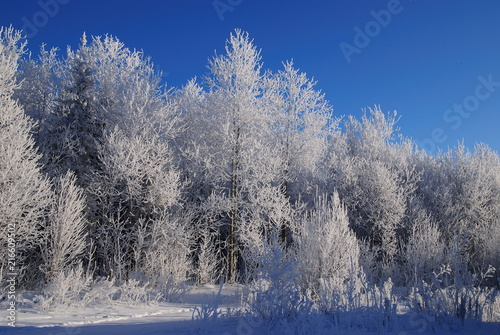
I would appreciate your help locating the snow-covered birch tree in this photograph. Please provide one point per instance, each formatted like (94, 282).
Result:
(25, 194)
(224, 134)
(65, 235)
(299, 120)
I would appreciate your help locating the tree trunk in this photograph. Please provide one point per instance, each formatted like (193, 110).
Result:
(284, 224)
(231, 271)
(284, 185)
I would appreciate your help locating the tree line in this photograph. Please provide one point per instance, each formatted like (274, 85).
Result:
(104, 166)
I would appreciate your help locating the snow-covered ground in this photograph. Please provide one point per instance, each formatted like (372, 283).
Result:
(119, 318)
(177, 318)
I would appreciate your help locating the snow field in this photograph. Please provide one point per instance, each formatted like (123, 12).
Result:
(180, 318)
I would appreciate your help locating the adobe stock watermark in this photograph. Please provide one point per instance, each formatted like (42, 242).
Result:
(455, 115)
(372, 29)
(223, 6)
(48, 9)
(11, 275)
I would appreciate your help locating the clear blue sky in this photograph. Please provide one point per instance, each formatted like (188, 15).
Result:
(426, 60)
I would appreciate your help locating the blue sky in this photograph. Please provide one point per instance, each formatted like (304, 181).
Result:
(436, 62)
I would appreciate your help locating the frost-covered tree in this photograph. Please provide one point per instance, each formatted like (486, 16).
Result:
(138, 188)
(203, 166)
(39, 88)
(234, 87)
(275, 293)
(299, 120)
(424, 253)
(372, 172)
(25, 194)
(166, 258)
(227, 124)
(207, 257)
(326, 246)
(461, 190)
(77, 123)
(65, 234)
